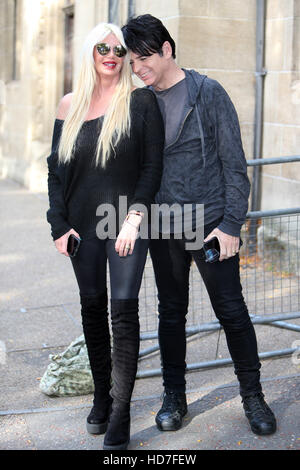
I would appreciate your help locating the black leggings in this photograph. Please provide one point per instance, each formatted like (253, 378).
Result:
(90, 267)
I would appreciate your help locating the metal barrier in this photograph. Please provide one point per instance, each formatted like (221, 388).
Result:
(269, 276)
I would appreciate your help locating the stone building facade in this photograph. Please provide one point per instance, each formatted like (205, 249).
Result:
(39, 56)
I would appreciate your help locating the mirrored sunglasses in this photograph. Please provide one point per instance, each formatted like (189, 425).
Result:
(103, 48)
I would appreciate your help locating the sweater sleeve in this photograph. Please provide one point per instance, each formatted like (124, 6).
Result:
(231, 154)
(57, 212)
(151, 159)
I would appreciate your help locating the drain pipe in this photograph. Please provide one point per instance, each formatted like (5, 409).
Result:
(113, 11)
(131, 8)
(258, 122)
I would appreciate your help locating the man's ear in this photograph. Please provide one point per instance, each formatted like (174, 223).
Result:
(167, 50)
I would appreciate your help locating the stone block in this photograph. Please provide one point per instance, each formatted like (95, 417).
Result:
(282, 97)
(282, 9)
(291, 143)
(272, 170)
(271, 105)
(172, 25)
(272, 147)
(278, 193)
(17, 122)
(247, 139)
(232, 9)
(217, 43)
(279, 44)
(291, 171)
(296, 9)
(194, 8)
(287, 98)
(157, 8)
(296, 44)
(289, 48)
(274, 46)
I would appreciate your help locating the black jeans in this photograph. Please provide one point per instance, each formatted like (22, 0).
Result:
(171, 263)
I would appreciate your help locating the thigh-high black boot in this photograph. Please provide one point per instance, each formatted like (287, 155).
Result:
(97, 337)
(126, 340)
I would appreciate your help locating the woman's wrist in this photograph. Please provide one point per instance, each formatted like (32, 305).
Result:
(141, 214)
(134, 218)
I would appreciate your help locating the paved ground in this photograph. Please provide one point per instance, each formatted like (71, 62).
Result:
(39, 315)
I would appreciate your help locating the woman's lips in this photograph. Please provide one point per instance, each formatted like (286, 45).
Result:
(110, 64)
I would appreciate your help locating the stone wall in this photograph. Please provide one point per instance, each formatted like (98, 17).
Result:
(216, 38)
(30, 99)
(281, 183)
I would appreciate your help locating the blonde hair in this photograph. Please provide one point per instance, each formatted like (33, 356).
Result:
(116, 121)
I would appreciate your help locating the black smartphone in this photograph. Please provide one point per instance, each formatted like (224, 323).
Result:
(73, 245)
(211, 250)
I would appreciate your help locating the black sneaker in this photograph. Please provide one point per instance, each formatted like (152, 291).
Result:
(169, 417)
(259, 414)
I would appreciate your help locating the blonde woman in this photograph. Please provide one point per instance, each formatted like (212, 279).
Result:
(107, 142)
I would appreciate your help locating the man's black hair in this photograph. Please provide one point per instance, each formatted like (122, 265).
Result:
(145, 35)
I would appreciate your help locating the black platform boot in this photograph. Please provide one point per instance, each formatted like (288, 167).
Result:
(97, 338)
(126, 341)
(97, 420)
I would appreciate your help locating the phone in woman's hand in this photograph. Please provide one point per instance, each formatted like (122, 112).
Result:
(73, 245)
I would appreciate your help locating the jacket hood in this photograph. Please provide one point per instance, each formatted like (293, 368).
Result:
(195, 82)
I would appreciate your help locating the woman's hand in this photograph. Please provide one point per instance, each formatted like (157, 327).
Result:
(62, 242)
(127, 236)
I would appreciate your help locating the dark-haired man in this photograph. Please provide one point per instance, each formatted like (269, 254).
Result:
(204, 163)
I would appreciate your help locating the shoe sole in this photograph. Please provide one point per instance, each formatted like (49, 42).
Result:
(96, 428)
(116, 447)
(263, 433)
(168, 426)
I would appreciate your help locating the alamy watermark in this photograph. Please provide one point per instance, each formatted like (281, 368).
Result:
(162, 221)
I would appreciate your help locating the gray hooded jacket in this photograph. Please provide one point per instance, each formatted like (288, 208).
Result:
(206, 162)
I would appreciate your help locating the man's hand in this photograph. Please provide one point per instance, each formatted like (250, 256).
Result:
(229, 245)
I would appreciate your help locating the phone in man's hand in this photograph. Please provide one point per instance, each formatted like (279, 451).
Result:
(211, 250)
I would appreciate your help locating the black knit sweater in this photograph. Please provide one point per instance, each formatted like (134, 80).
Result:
(76, 189)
